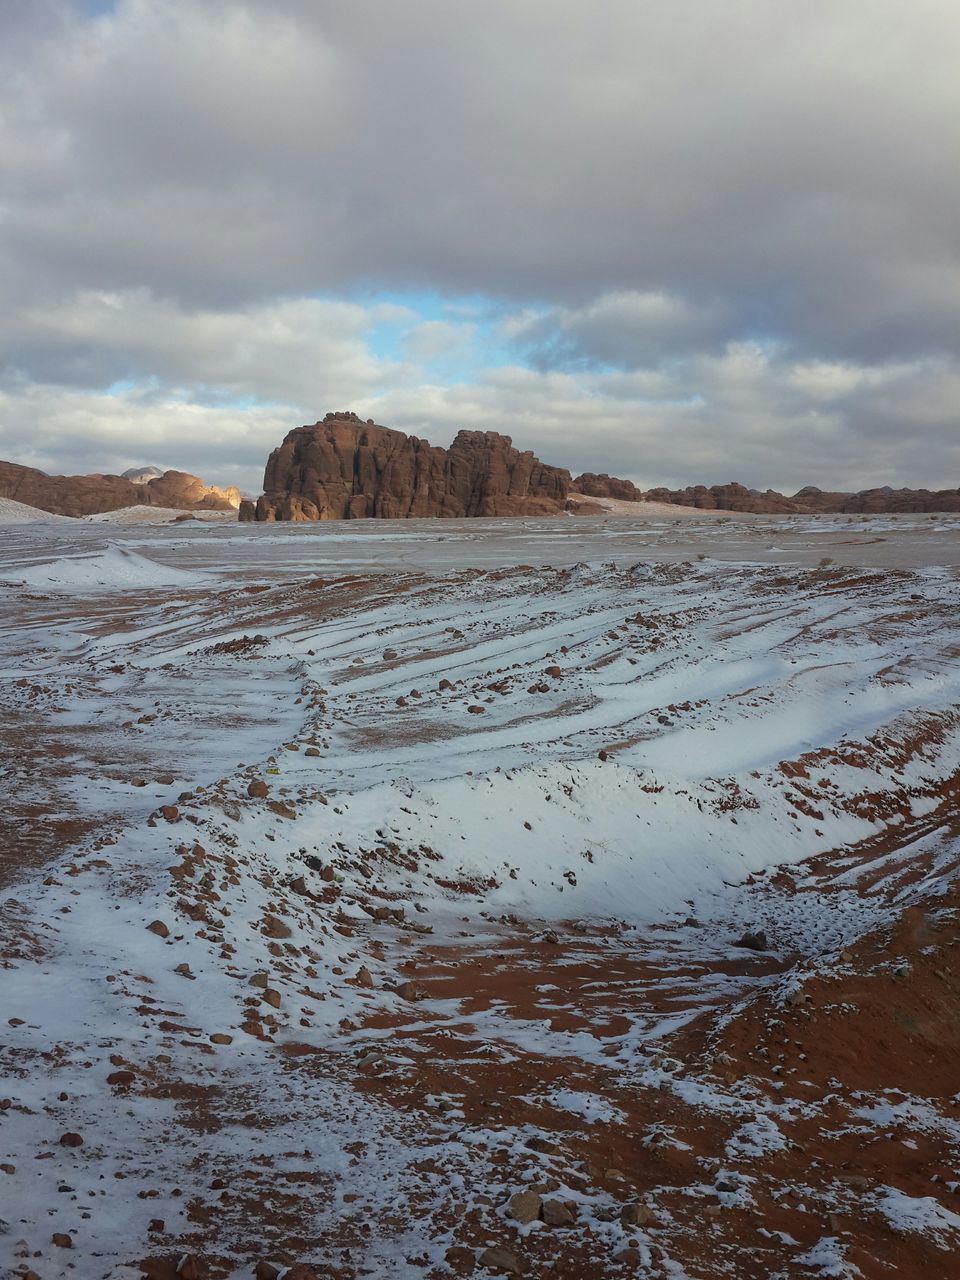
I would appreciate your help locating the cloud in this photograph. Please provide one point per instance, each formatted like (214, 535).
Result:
(787, 161)
(749, 413)
(677, 241)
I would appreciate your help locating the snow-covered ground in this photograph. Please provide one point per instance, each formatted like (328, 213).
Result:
(341, 865)
(13, 512)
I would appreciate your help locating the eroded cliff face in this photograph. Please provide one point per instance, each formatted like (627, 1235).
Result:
(93, 494)
(346, 469)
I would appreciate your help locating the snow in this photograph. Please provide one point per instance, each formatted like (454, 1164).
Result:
(117, 568)
(13, 512)
(922, 1214)
(212, 657)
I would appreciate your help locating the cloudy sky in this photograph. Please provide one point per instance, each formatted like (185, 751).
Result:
(677, 240)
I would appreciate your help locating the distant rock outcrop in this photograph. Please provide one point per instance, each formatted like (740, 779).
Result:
(93, 494)
(344, 468)
(726, 497)
(809, 500)
(592, 485)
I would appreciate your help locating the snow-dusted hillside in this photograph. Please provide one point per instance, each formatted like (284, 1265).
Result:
(344, 905)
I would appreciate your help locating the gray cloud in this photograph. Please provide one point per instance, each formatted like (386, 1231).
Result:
(641, 189)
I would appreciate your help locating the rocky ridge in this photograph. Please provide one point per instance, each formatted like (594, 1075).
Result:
(95, 494)
(806, 501)
(344, 468)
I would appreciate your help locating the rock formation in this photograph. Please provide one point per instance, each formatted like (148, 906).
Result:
(810, 500)
(726, 497)
(93, 494)
(592, 485)
(344, 468)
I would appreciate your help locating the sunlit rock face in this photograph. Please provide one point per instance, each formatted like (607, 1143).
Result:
(94, 494)
(346, 469)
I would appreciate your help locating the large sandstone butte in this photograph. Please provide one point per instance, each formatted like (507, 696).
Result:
(93, 494)
(346, 469)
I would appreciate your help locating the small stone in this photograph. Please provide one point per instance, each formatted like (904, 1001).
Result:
(410, 991)
(266, 1270)
(272, 997)
(220, 1037)
(753, 940)
(185, 971)
(259, 979)
(169, 813)
(553, 672)
(157, 1224)
(364, 977)
(636, 1214)
(313, 752)
(71, 1140)
(159, 928)
(559, 1213)
(549, 935)
(258, 790)
(121, 1078)
(476, 711)
(274, 928)
(524, 1206)
(62, 1240)
(501, 1261)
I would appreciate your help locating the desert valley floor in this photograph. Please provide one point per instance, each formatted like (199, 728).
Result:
(374, 899)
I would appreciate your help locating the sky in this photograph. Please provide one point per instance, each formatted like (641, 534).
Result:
(680, 241)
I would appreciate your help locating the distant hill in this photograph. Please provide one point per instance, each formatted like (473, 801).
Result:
(141, 475)
(736, 497)
(94, 494)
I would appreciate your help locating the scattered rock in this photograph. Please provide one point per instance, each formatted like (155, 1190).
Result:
(159, 928)
(71, 1140)
(636, 1214)
(753, 940)
(274, 928)
(62, 1240)
(122, 1079)
(364, 977)
(258, 790)
(500, 1260)
(559, 1213)
(524, 1206)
